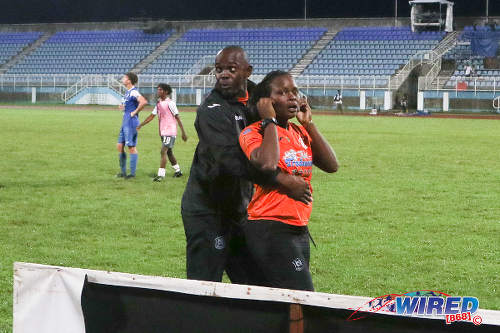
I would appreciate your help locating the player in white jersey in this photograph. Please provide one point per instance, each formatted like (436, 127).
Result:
(168, 118)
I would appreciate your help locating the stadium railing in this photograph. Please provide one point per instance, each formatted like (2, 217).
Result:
(457, 84)
(188, 89)
(192, 81)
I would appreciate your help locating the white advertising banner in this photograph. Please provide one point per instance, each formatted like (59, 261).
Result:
(48, 299)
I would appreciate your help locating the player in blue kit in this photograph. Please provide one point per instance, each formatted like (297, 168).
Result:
(133, 103)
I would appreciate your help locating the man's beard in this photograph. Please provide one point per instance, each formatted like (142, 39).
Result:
(228, 93)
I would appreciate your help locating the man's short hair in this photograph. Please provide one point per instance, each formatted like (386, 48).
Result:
(132, 77)
(165, 87)
(234, 48)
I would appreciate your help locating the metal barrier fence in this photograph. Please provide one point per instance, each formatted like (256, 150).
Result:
(305, 81)
(190, 81)
(56, 88)
(187, 84)
(457, 84)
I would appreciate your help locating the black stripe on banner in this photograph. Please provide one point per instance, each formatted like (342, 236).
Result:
(109, 308)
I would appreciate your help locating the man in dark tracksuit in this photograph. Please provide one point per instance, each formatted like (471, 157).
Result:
(220, 184)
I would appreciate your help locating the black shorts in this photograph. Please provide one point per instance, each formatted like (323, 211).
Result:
(281, 252)
(215, 244)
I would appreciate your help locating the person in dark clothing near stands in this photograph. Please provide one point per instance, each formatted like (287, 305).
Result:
(337, 99)
(220, 183)
(404, 103)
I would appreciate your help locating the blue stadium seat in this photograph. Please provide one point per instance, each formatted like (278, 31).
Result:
(13, 43)
(462, 54)
(370, 49)
(267, 48)
(91, 52)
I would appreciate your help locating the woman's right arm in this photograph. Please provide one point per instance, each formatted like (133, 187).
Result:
(265, 158)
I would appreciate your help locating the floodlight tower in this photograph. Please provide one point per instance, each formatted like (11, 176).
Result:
(395, 12)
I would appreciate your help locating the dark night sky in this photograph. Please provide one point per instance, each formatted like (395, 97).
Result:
(30, 11)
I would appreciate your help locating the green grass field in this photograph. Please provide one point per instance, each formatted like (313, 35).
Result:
(415, 204)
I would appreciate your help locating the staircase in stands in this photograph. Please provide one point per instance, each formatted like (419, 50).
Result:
(432, 57)
(24, 53)
(156, 53)
(313, 52)
(108, 81)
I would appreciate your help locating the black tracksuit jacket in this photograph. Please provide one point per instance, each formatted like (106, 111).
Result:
(221, 178)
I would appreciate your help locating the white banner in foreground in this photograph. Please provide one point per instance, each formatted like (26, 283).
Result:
(48, 298)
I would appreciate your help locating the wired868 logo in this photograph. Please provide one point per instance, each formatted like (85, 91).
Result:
(423, 303)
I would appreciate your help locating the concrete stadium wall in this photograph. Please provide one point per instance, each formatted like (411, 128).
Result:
(461, 101)
(25, 97)
(460, 105)
(337, 24)
(331, 23)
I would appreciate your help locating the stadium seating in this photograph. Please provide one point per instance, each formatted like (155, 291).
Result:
(90, 52)
(462, 55)
(369, 52)
(13, 43)
(268, 48)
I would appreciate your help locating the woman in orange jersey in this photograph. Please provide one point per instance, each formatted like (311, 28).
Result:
(276, 232)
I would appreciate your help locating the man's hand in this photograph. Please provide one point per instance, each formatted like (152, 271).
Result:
(265, 107)
(138, 127)
(133, 113)
(184, 137)
(295, 187)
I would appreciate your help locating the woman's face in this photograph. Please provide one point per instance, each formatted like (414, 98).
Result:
(285, 97)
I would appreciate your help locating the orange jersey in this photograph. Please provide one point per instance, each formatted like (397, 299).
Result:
(295, 159)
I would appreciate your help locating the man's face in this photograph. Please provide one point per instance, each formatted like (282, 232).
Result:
(231, 73)
(125, 80)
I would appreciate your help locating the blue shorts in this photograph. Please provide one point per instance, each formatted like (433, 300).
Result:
(128, 136)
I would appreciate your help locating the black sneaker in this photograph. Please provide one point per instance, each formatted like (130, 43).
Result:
(120, 175)
(178, 174)
(158, 178)
(129, 176)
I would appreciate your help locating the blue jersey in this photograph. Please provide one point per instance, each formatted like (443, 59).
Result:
(130, 102)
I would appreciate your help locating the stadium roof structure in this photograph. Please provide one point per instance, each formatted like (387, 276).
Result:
(442, 2)
(419, 18)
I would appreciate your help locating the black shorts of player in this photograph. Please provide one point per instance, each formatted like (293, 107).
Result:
(281, 252)
(167, 141)
(215, 244)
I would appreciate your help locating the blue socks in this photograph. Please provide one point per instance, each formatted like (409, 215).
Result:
(123, 162)
(133, 163)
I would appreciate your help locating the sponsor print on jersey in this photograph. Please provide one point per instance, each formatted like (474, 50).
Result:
(298, 158)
